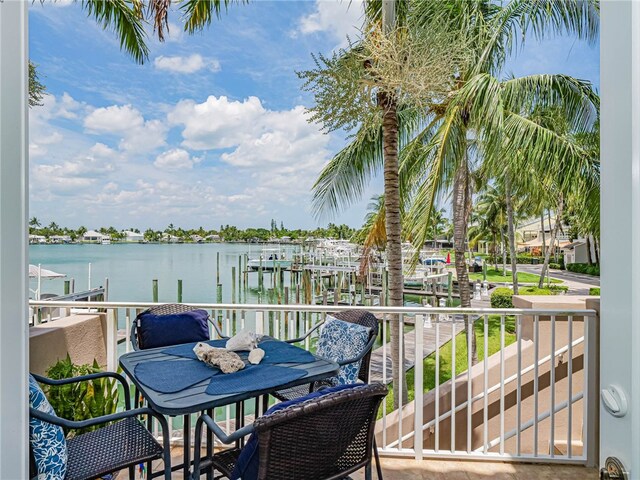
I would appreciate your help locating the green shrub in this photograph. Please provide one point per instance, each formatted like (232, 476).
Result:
(83, 400)
(584, 268)
(557, 266)
(594, 291)
(502, 297)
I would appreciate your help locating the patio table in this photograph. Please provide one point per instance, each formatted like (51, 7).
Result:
(195, 399)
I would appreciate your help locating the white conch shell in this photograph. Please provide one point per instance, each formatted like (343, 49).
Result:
(256, 356)
(244, 340)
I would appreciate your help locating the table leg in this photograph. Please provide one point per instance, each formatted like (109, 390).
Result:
(149, 463)
(187, 445)
(210, 412)
(265, 403)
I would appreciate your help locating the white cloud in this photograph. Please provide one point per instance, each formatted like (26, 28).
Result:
(137, 135)
(191, 64)
(337, 18)
(113, 119)
(175, 159)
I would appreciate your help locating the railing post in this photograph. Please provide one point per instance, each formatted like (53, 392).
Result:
(592, 397)
(418, 388)
(259, 323)
(112, 339)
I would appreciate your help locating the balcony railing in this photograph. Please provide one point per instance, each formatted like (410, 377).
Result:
(531, 396)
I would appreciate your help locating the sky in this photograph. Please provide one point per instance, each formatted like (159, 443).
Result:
(212, 129)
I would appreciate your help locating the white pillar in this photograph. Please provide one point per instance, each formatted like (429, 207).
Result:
(620, 226)
(13, 240)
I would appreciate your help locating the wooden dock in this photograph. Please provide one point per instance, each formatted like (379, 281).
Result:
(429, 339)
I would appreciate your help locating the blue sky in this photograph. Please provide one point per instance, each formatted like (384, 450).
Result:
(212, 129)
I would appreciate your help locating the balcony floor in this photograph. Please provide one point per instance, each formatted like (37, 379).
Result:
(409, 469)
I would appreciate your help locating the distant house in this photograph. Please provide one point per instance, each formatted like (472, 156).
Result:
(576, 252)
(35, 239)
(166, 237)
(92, 236)
(133, 237)
(285, 239)
(197, 238)
(60, 239)
(212, 238)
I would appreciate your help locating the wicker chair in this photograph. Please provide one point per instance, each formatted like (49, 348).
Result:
(360, 317)
(322, 438)
(123, 443)
(166, 309)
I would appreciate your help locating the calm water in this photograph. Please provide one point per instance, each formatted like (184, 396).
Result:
(131, 268)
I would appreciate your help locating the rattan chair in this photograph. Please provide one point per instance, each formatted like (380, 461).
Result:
(360, 317)
(166, 309)
(123, 443)
(322, 438)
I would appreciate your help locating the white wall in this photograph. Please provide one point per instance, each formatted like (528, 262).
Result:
(620, 226)
(13, 240)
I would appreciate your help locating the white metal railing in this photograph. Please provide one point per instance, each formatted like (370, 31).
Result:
(532, 396)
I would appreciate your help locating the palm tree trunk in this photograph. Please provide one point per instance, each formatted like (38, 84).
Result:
(596, 250)
(495, 251)
(503, 246)
(588, 240)
(544, 236)
(394, 237)
(512, 235)
(460, 210)
(554, 234)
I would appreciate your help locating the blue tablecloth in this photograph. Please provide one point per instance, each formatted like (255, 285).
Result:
(254, 377)
(171, 376)
(276, 351)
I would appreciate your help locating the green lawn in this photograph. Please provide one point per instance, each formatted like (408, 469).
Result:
(496, 276)
(429, 363)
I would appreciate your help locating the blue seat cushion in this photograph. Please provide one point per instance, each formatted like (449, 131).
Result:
(48, 442)
(165, 330)
(246, 467)
(340, 340)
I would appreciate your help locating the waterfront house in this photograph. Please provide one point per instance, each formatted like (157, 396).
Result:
(133, 237)
(91, 236)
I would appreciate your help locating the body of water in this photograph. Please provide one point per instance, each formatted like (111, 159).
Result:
(131, 268)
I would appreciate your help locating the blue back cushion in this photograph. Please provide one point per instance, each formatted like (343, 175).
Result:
(340, 341)
(165, 330)
(48, 442)
(246, 467)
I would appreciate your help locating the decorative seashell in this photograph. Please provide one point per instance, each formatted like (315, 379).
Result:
(256, 356)
(244, 340)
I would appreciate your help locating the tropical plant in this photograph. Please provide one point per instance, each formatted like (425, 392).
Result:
(373, 87)
(82, 400)
(480, 117)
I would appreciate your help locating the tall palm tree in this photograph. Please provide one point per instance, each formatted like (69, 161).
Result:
(376, 85)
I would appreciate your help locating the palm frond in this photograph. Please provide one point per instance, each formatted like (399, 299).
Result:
(126, 20)
(199, 14)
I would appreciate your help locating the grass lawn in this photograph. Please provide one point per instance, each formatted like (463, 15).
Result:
(496, 276)
(429, 363)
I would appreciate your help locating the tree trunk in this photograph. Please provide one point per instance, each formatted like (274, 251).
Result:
(596, 250)
(512, 235)
(544, 235)
(495, 251)
(504, 253)
(588, 240)
(394, 237)
(554, 234)
(460, 217)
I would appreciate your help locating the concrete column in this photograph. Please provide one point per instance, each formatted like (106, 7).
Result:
(620, 226)
(13, 240)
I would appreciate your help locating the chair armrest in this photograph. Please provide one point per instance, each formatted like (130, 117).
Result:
(91, 376)
(216, 328)
(218, 432)
(73, 425)
(299, 339)
(362, 354)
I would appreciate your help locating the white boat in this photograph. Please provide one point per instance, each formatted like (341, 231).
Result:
(105, 241)
(270, 259)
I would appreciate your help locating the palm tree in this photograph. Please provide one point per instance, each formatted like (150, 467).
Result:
(479, 112)
(376, 85)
